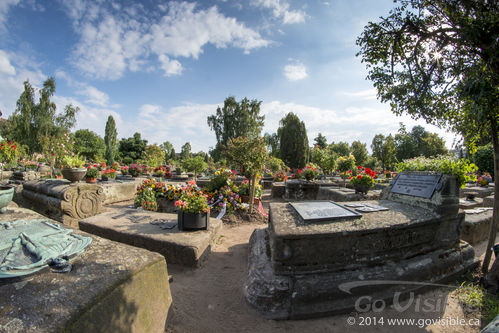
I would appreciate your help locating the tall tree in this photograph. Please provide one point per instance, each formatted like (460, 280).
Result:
(384, 150)
(167, 147)
(293, 141)
(32, 121)
(111, 140)
(341, 148)
(131, 149)
(185, 151)
(89, 144)
(321, 141)
(235, 119)
(437, 60)
(359, 151)
(272, 144)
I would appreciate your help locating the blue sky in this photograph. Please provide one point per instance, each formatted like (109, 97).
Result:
(162, 67)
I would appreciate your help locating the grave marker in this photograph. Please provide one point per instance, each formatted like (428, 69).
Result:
(323, 211)
(417, 185)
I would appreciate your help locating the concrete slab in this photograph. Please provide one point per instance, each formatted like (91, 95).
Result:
(342, 194)
(112, 288)
(470, 204)
(482, 192)
(488, 201)
(187, 248)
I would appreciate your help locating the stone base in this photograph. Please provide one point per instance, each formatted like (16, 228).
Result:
(343, 194)
(187, 248)
(318, 294)
(112, 288)
(278, 190)
(120, 190)
(488, 201)
(470, 204)
(476, 227)
(482, 192)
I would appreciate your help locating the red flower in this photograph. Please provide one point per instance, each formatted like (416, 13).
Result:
(359, 177)
(350, 177)
(368, 170)
(53, 154)
(359, 167)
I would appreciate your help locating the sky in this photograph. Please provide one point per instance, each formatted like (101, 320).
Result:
(161, 68)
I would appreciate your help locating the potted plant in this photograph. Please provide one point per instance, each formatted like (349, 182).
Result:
(92, 174)
(364, 180)
(109, 174)
(310, 173)
(244, 192)
(58, 174)
(73, 168)
(484, 180)
(193, 211)
(280, 176)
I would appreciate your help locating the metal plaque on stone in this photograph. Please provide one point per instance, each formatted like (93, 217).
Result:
(323, 211)
(415, 184)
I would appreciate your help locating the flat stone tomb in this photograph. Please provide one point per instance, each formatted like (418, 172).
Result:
(155, 232)
(323, 211)
(298, 269)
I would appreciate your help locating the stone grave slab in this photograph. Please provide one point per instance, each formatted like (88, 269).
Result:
(343, 194)
(469, 204)
(416, 184)
(482, 192)
(112, 287)
(120, 190)
(488, 201)
(278, 190)
(323, 211)
(130, 226)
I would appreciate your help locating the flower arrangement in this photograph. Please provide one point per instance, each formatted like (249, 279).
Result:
(171, 192)
(244, 189)
(310, 172)
(135, 170)
(109, 173)
(102, 166)
(92, 172)
(484, 179)
(193, 202)
(280, 176)
(116, 166)
(298, 174)
(221, 178)
(124, 170)
(365, 177)
(162, 171)
(388, 174)
(227, 194)
(71, 162)
(146, 196)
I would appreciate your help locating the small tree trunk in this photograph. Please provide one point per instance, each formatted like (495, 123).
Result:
(495, 217)
(252, 193)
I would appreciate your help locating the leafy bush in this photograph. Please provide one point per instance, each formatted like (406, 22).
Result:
(365, 177)
(281, 176)
(462, 169)
(73, 162)
(221, 178)
(484, 159)
(92, 172)
(345, 163)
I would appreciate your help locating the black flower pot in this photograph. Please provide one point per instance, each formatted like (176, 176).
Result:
(192, 221)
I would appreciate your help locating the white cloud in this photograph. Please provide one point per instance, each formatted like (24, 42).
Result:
(5, 66)
(94, 96)
(4, 10)
(280, 10)
(149, 110)
(113, 41)
(364, 94)
(296, 71)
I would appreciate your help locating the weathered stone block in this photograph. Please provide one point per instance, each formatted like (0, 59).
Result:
(343, 194)
(298, 189)
(476, 227)
(64, 201)
(482, 192)
(112, 288)
(120, 190)
(488, 201)
(278, 190)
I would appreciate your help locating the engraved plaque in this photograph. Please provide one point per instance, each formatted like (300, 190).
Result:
(415, 184)
(323, 211)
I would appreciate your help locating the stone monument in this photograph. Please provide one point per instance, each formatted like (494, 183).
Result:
(302, 265)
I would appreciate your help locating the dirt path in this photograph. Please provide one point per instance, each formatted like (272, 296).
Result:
(210, 299)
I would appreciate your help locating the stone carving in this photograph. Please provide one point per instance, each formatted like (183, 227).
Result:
(65, 202)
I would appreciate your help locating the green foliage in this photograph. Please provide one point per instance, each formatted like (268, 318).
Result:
(359, 151)
(463, 170)
(293, 141)
(111, 140)
(54, 149)
(310, 172)
(272, 143)
(167, 147)
(340, 148)
(384, 150)
(89, 144)
(221, 178)
(31, 121)
(132, 148)
(474, 297)
(325, 159)
(244, 189)
(73, 162)
(345, 163)
(418, 142)
(153, 155)
(321, 141)
(92, 172)
(484, 158)
(146, 195)
(274, 164)
(9, 152)
(364, 177)
(185, 151)
(193, 202)
(195, 164)
(235, 119)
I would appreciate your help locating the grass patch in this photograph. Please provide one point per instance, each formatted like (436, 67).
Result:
(473, 297)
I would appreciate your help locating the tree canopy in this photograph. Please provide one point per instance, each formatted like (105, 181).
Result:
(438, 60)
(131, 149)
(321, 141)
(293, 141)
(235, 119)
(89, 144)
(111, 140)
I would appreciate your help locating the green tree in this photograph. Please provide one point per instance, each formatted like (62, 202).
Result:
(437, 60)
(195, 164)
(235, 119)
(185, 152)
(359, 151)
(32, 121)
(89, 144)
(131, 149)
(111, 140)
(404, 143)
(484, 158)
(293, 141)
(272, 144)
(433, 145)
(167, 147)
(384, 150)
(341, 148)
(325, 158)
(321, 141)
(153, 155)
(249, 155)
